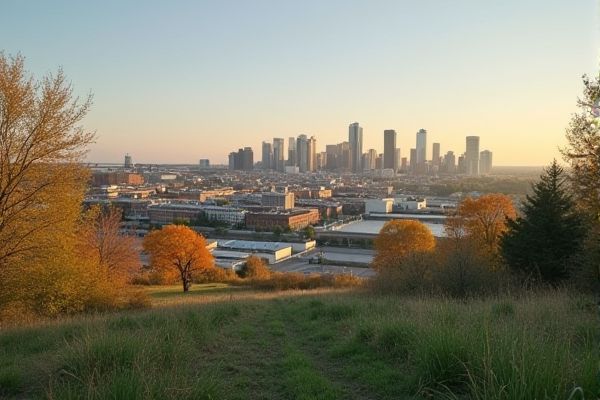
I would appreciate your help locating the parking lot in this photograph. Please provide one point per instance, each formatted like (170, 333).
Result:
(337, 257)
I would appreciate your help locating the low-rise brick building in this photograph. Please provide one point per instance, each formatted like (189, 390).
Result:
(294, 219)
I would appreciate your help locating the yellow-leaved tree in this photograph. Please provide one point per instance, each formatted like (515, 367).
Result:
(398, 239)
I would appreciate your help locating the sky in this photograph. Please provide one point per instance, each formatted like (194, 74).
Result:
(177, 81)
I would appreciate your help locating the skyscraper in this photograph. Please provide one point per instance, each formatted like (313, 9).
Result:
(389, 149)
(413, 160)
(128, 161)
(449, 164)
(355, 138)
(331, 162)
(435, 156)
(302, 153)
(370, 158)
(292, 157)
(485, 162)
(267, 155)
(472, 156)
(311, 149)
(421, 147)
(278, 154)
(398, 157)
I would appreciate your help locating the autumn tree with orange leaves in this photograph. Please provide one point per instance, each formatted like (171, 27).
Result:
(482, 220)
(398, 239)
(178, 248)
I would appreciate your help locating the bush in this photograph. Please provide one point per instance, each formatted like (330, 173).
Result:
(297, 281)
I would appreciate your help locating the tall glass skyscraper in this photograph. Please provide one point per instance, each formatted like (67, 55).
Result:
(355, 138)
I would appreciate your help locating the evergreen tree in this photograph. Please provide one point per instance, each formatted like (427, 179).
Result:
(542, 242)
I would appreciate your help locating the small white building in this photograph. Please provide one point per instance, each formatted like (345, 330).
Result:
(379, 206)
(410, 203)
(271, 251)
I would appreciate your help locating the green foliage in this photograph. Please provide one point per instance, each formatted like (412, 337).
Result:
(542, 242)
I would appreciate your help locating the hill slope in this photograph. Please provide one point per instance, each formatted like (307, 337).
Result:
(235, 344)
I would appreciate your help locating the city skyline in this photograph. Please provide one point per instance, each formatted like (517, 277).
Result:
(215, 77)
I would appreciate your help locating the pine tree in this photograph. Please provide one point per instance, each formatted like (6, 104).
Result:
(542, 242)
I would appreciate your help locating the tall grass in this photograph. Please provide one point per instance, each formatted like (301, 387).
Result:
(324, 343)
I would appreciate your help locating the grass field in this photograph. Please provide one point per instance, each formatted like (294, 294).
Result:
(233, 343)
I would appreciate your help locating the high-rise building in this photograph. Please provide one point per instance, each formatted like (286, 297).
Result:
(204, 163)
(370, 160)
(421, 147)
(398, 158)
(449, 164)
(247, 158)
(321, 160)
(404, 164)
(278, 154)
(472, 156)
(355, 138)
(435, 155)
(344, 160)
(389, 149)
(243, 159)
(311, 159)
(461, 165)
(413, 160)
(485, 162)
(302, 153)
(292, 158)
(267, 155)
(331, 162)
(128, 161)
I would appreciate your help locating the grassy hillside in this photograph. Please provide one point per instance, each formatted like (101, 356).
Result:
(232, 343)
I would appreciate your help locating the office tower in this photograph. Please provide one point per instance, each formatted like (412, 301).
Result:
(413, 160)
(398, 159)
(472, 156)
(344, 159)
(389, 149)
(232, 161)
(370, 160)
(404, 164)
(311, 148)
(302, 153)
(421, 147)
(449, 164)
(461, 165)
(128, 161)
(267, 155)
(321, 160)
(292, 158)
(355, 138)
(278, 163)
(247, 158)
(243, 159)
(485, 162)
(435, 156)
(379, 161)
(204, 163)
(331, 162)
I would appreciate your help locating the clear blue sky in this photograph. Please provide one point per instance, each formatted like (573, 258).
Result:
(175, 81)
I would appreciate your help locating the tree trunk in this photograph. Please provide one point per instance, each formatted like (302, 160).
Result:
(186, 285)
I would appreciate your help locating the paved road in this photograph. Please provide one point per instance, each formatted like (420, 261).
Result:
(333, 254)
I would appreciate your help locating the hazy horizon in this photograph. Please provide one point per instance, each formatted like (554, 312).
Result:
(174, 83)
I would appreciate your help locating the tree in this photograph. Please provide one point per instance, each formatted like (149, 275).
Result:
(583, 149)
(398, 239)
(101, 238)
(41, 143)
(482, 220)
(309, 232)
(255, 268)
(179, 248)
(542, 242)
